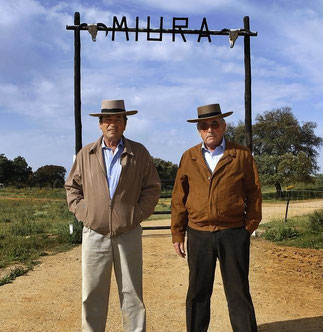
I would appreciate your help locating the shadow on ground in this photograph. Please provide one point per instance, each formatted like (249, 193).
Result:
(313, 324)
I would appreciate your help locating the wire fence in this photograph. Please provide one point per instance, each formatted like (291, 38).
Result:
(291, 203)
(276, 205)
(298, 195)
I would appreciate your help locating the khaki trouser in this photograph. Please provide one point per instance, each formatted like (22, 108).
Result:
(99, 253)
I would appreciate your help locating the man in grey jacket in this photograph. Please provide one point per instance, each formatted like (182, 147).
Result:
(112, 187)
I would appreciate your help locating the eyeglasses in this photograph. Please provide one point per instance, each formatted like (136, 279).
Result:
(206, 126)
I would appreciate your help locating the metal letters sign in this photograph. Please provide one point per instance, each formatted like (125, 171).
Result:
(180, 27)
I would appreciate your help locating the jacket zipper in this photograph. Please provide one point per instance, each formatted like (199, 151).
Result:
(115, 192)
(110, 208)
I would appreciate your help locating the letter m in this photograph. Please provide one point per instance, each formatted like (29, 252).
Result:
(118, 26)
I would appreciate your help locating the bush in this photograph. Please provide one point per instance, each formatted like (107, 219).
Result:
(17, 272)
(316, 222)
(20, 249)
(64, 235)
(27, 228)
(281, 234)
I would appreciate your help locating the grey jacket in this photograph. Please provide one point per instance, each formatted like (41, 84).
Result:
(135, 197)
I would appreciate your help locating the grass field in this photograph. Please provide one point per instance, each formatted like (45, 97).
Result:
(32, 227)
(35, 222)
(303, 231)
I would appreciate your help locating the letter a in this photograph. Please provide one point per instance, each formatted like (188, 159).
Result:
(204, 33)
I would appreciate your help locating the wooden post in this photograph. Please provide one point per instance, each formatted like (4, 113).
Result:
(287, 205)
(247, 96)
(77, 85)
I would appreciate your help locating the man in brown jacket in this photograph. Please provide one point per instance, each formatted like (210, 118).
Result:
(217, 201)
(112, 187)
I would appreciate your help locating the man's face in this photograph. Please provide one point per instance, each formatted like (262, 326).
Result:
(212, 131)
(112, 127)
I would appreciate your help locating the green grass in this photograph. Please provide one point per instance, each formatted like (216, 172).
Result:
(163, 205)
(57, 193)
(316, 185)
(304, 232)
(30, 228)
(298, 191)
(35, 223)
(17, 272)
(298, 195)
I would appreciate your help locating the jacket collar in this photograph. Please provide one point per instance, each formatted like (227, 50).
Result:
(229, 153)
(230, 150)
(127, 147)
(97, 146)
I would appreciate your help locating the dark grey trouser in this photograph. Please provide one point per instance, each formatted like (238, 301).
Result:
(231, 247)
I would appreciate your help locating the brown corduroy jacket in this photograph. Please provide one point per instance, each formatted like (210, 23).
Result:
(230, 197)
(135, 197)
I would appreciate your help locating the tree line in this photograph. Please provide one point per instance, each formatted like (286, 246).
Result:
(18, 174)
(285, 152)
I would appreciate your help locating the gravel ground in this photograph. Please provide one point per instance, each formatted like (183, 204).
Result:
(286, 285)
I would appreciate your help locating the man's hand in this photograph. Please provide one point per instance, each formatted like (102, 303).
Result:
(180, 249)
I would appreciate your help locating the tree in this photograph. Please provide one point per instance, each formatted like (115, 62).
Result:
(14, 172)
(166, 171)
(285, 151)
(6, 170)
(21, 172)
(236, 133)
(50, 175)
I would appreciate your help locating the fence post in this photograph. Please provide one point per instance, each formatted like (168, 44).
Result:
(287, 205)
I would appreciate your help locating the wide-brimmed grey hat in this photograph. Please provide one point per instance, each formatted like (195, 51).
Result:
(209, 112)
(113, 107)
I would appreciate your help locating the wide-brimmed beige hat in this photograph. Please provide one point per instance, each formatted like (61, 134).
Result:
(209, 112)
(113, 107)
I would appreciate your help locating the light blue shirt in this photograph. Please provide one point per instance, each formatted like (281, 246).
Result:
(212, 158)
(112, 165)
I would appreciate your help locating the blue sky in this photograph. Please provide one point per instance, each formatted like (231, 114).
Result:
(165, 81)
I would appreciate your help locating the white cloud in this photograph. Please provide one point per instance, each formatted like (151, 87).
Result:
(188, 6)
(16, 13)
(164, 81)
(291, 39)
(304, 44)
(38, 147)
(268, 95)
(270, 69)
(39, 98)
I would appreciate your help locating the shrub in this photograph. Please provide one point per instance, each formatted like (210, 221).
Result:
(64, 236)
(27, 228)
(316, 222)
(281, 234)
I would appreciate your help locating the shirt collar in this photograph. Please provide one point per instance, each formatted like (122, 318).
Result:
(222, 145)
(120, 144)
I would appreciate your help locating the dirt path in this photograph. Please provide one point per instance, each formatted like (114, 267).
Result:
(296, 208)
(286, 284)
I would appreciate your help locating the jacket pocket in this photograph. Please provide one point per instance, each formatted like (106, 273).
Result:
(230, 205)
(81, 210)
(138, 215)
